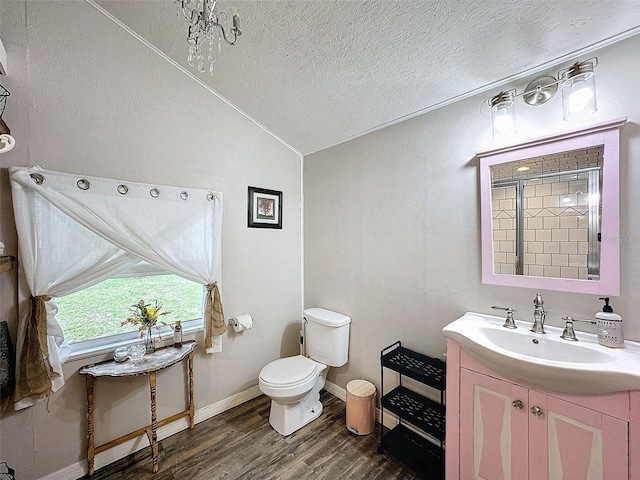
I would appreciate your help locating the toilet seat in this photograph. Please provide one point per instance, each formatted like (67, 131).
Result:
(289, 372)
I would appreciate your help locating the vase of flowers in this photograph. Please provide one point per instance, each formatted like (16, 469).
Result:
(148, 341)
(145, 317)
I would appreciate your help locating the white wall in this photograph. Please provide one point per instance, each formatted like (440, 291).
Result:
(88, 98)
(392, 233)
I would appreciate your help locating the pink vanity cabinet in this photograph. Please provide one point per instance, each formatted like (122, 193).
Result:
(501, 430)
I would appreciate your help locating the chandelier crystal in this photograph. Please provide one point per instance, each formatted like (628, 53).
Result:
(207, 29)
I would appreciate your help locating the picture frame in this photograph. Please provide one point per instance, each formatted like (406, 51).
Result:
(264, 208)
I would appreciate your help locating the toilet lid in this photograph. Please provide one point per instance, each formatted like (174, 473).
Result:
(288, 370)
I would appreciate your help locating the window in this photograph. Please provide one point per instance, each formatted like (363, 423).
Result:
(98, 311)
(74, 231)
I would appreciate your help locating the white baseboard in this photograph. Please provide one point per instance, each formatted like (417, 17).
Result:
(80, 469)
(335, 390)
(228, 403)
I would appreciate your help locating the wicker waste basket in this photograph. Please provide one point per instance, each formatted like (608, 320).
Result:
(361, 408)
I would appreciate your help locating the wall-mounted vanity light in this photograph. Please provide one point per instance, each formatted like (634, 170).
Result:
(578, 96)
(503, 114)
(578, 89)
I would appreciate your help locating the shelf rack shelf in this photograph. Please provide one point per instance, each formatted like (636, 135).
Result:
(418, 415)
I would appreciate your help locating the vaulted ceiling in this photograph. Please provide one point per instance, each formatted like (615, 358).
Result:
(320, 72)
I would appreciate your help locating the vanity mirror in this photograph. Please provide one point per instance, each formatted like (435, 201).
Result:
(550, 212)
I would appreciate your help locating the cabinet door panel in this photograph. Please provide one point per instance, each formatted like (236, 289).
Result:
(570, 442)
(493, 432)
(615, 448)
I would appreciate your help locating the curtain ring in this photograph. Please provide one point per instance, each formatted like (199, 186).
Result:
(38, 178)
(154, 192)
(122, 189)
(83, 184)
(210, 197)
(184, 195)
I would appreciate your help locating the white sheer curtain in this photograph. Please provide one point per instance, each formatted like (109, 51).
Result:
(75, 231)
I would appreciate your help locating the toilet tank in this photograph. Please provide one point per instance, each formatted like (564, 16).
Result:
(327, 336)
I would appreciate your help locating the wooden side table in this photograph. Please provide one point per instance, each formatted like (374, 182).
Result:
(150, 365)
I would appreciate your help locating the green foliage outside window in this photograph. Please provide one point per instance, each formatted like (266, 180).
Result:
(98, 311)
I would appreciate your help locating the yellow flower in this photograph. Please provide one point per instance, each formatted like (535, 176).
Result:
(144, 316)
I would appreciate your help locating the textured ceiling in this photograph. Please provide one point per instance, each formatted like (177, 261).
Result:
(319, 72)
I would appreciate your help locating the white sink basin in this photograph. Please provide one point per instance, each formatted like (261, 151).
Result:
(547, 361)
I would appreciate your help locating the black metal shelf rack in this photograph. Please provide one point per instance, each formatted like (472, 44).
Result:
(416, 413)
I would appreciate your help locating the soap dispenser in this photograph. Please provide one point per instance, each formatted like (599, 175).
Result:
(609, 326)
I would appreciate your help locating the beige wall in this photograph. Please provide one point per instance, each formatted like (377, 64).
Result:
(392, 234)
(391, 219)
(86, 97)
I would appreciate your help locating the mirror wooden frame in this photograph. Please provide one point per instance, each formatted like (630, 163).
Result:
(607, 134)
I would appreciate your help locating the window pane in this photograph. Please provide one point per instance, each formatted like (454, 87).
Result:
(98, 311)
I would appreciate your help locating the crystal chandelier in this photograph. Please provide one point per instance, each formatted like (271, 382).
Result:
(207, 26)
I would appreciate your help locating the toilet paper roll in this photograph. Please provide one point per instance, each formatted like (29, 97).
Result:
(242, 323)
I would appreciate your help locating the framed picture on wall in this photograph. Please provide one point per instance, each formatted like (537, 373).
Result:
(264, 208)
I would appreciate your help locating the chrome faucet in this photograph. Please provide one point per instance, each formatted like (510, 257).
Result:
(509, 322)
(568, 332)
(539, 315)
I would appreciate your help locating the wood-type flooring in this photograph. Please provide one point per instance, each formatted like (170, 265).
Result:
(240, 444)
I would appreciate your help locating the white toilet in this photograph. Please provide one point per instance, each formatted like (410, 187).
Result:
(294, 383)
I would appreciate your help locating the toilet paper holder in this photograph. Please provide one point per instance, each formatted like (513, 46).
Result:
(240, 323)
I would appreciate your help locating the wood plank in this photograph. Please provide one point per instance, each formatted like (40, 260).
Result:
(240, 444)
